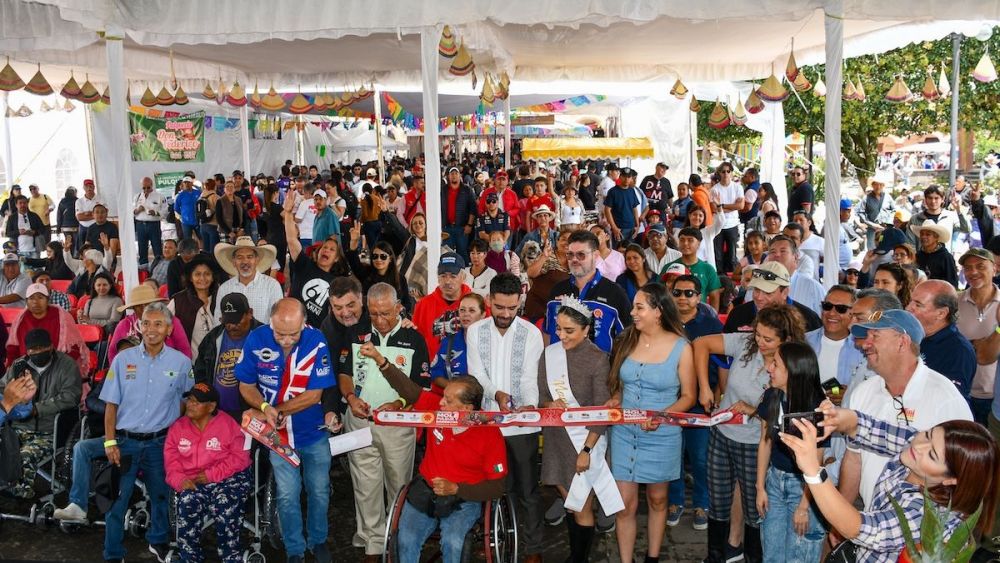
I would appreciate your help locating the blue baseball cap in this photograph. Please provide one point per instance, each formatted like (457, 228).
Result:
(450, 263)
(846, 204)
(893, 319)
(891, 237)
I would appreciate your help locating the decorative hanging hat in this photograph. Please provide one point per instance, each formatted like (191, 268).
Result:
(488, 96)
(985, 71)
(180, 96)
(272, 101)
(801, 83)
(792, 68)
(772, 90)
(237, 96)
(754, 104)
(106, 95)
(446, 46)
(148, 99)
(347, 98)
(504, 86)
(208, 92)
(719, 118)
(679, 90)
(319, 102)
(850, 92)
(255, 97)
(694, 105)
(68, 106)
(929, 91)
(9, 80)
(364, 93)
(24, 111)
(222, 93)
(820, 89)
(71, 89)
(88, 93)
(860, 90)
(462, 63)
(38, 85)
(44, 107)
(899, 92)
(300, 104)
(944, 87)
(738, 114)
(164, 97)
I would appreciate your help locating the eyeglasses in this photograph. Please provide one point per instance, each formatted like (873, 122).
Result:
(798, 175)
(379, 256)
(840, 307)
(689, 293)
(578, 255)
(852, 272)
(726, 171)
(897, 403)
(768, 276)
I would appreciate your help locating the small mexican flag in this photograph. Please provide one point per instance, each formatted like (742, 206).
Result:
(498, 468)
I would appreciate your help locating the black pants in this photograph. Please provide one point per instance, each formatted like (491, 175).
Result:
(725, 260)
(523, 474)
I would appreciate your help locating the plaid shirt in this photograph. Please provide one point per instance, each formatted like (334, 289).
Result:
(880, 538)
(59, 299)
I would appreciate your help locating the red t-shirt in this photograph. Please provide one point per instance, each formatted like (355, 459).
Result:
(452, 198)
(49, 323)
(476, 455)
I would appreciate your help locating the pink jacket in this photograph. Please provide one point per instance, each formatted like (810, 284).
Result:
(217, 450)
(129, 326)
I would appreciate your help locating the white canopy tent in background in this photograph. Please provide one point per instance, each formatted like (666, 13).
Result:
(561, 44)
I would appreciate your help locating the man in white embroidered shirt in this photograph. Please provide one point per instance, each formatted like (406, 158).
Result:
(148, 214)
(505, 353)
(248, 264)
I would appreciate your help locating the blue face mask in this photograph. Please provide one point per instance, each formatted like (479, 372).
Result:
(496, 246)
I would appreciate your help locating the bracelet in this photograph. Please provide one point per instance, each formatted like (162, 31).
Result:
(402, 400)
(586, 449)
(264, 405)
(384, 364)
(110, 443)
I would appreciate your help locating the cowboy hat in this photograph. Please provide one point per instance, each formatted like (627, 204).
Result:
(943, 232)
(141, 294)
(543, 210)
(224, 253)
(882, 176)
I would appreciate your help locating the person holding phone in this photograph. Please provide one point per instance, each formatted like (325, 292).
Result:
(791, 530)
(15, 401)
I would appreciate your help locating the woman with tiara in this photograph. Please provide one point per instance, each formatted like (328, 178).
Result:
(574, 373)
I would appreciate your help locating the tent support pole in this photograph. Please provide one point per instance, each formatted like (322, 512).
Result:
(834, 26)
(8, 148)
(432, 169)
(245, 139)
(506, 133)
(379, 150)
(956, 50)
(120, 183)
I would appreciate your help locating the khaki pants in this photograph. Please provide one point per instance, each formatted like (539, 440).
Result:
(378, 472)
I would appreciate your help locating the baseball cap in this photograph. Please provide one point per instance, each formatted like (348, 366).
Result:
(370, 173)
(203, 393)
(11, 257)
(980, 253)
(769, 276)
(893, 319)
(890, 238)
(450, 263)
(37, 288)
(501, 174)
(184, 179)
(37, 338)
(492, 197)
(676, 269)
(88, 182)
(657, 228)
(232, 307)
(846, 204)
(320, 192)
(453, 169)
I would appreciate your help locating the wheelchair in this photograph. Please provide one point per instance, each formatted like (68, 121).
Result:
(496, 531)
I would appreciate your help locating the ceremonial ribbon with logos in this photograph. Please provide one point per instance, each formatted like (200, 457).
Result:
(580, 416)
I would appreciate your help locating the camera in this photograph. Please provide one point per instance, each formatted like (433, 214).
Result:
(788, 427)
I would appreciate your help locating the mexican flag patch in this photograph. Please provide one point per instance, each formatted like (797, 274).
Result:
(498, 468)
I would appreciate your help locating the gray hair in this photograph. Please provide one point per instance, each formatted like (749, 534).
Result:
(884, 300)
(845, 289)
(159, 307)
(382, 292)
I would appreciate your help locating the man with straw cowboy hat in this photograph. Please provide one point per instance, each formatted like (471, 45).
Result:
(876, 208)
(138, 297)
(247, 263)
(933, 256)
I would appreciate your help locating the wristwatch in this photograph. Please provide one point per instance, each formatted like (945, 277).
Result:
(816, 479)
(586, 449)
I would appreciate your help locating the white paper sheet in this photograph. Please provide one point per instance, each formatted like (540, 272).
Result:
(351, 441)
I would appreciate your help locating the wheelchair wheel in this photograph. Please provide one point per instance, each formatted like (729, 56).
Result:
(137, 522)
(43, 516)
(391, 538)
(254, 557)
(500, 531)
(270, 524)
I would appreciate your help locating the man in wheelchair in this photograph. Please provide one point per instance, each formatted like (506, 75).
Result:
(59, 388)
(462, 468)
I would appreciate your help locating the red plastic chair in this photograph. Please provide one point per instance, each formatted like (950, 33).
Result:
(61, 285)
(72, 300)
(163, 291)
(91, 334)
(81, 303)
(10, 314)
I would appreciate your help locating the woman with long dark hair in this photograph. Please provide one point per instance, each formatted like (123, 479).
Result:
(382, 268)
(956, 463)
(791, 530)
(55, 263)
(637, 272)
(891, 277)
(696, 218)
(732, 448)
(414, 260)
(275, 232)
(102, 307)
(194, 305)
(651, 369)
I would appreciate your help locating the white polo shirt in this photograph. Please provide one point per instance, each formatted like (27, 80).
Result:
(728, 194)
(929, 399)
(84, 205)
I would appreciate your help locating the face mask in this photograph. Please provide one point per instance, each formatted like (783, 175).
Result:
(496, 246)
(41, 359)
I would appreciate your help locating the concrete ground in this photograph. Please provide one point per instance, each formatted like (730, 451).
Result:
(28, 542)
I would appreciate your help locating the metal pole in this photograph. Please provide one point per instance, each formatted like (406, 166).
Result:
(956, 48)
(506, 133)
(8, 148)
(378, 135)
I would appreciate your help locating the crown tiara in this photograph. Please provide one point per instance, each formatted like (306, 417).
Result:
(575, 304)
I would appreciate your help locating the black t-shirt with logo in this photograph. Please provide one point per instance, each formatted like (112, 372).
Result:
(406, 349)
(311, 285)
(658, 192)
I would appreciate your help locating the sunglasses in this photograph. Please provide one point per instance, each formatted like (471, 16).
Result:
(689, 293)
(897, 403)
(852, 272)
(379, 256)
(840, 307)
(768, 276)
(578, 255)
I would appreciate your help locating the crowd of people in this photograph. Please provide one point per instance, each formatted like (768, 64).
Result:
(303, 299)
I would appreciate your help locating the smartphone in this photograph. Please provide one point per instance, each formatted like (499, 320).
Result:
(832, 386)
(789, 428)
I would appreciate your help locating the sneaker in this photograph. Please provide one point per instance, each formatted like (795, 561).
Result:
(700, 521)
(161, 551)
(733, 554)
(71, 512)
(556, 513)
(320, 553)
(674, 513)
(604, 524)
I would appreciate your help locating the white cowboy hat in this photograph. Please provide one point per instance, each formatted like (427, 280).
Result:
(882, 176)
(943, 232)
(543, 210)
(141, 294)
(224, 255)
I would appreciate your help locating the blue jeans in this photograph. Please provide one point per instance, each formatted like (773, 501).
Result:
(315, 470)
(778, 537)
(250, 228)
(415, 527)
(148, 233)
(458, 240)
(84, 453)
(696, 449)
(209, 237)
(188, 231)
(146, 455)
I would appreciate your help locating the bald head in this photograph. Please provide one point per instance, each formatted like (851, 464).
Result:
(288, 320)
(935, 304)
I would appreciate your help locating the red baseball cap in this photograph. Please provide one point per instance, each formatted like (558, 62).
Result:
(88, 181)
(501, 174)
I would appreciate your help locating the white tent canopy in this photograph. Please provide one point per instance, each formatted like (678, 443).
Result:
(365, 140)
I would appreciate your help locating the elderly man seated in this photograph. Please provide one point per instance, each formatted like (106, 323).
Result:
(59, 388)
(462, 468)
(51, 319)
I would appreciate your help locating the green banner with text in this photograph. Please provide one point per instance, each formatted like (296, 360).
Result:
(173, 139)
